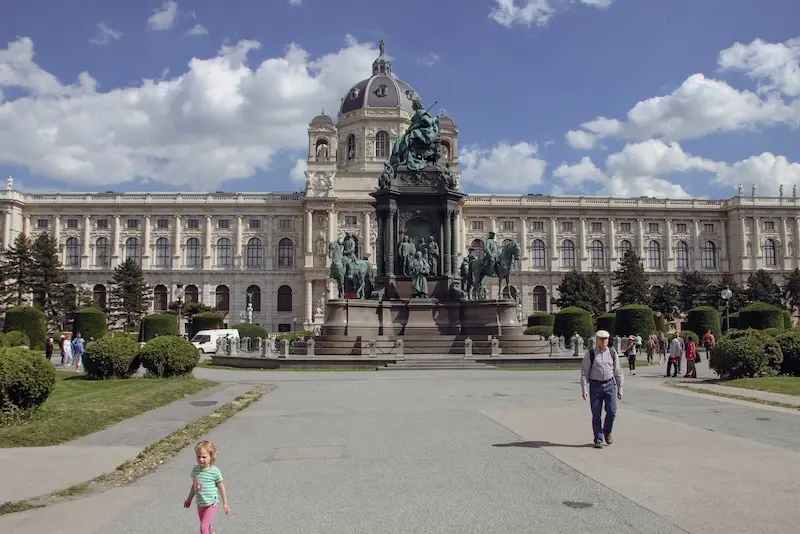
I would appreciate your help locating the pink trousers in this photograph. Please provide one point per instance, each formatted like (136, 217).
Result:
(206, 514)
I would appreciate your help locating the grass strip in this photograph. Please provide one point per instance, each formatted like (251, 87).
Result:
(734, 396)
(148, 460)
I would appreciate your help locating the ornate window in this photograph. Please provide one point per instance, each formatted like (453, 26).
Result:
(654, 255)
(194, 253)
(351, 147)
(597, 254)
(477, 244)
(285, 254)
(538, 254)
(224, 252)
(191, 294)
(382, 149)
(133, 251)
(255, 252)
(163, 252)
(99, 296)
(102, 253)
(624, 247)
(255, 297)
(708, 255)
(681, 255)
(539, 299)
(770, 257)
(160, 298)
(284, 299)
(222, 298)
(568, 254)
(72, 258)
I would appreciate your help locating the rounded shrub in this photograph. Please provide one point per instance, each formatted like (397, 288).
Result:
(747, 354)
(760, 315)
(3, 340)
(541, 319)
(571, 320)
(90, 322)
(26, 379)
(13, 338)
(788, 321)
(30, 321)
(789, 342)
(688, 334)
(159, 324)
(206, 321)
(773, 331)
(702, 319)
(169, 356)
(539, 330)
(251, 330)
(607, 322)
(634, 319)
(115, 355)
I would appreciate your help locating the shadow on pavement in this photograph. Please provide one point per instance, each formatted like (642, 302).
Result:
(540, 444)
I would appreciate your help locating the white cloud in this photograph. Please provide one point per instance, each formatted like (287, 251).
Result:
(429, 60)
(775, 65)
(221, 119)
(505, 167)
(767, 171)
(105, 35)
(197, 30)
(295, 2)
(535, 12)
(163, 17)
(580, 140)
(298, 173)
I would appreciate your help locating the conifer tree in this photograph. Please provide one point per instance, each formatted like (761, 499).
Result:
(130, 296)
(17, 268)
(762, 288)
(791, 290)
(582, 290)
(631, 282)
(49, 281)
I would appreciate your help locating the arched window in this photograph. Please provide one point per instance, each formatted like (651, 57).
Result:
(255, 297)
(284, 299)
(99, 296)
(538, 254)
(448, 154)
(255, 252)
(222, 298)
(624, 247)
(322, 150)
(102, 253)
(285, 254)
(708, 255)
(382, 149)
(163, 252)
(191, 294)
(681, 255)
(597, 254)
(568, 254)
(539, 299)
(194, 252)
(133, 251)
(654, 255)
(477, 244)
(351, 147)
(72, 258)
(770, 257)
(224, 252)
(160, 298)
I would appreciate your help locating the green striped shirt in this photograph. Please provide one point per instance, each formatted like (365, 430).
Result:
(205, 485)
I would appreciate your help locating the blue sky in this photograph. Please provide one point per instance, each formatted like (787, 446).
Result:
(213, 115)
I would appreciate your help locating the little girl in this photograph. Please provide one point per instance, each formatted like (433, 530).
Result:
(207, 486)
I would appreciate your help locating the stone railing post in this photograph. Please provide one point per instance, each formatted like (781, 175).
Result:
(468, 348)
(398, 348)
(310, 344)
(495, 344)
(372, 348)
(285, 348)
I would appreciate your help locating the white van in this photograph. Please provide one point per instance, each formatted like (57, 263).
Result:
(206, 340)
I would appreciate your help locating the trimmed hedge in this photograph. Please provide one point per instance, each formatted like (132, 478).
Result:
(12, 339)
(541, 319)
(746, 354)
(773, 331)
(26, 379)
(205, 321)
(607, 322)
(702, 319)
(115, 355)
(539, 330)
(789, 341)
(733, 319)
(571, 320)
(159, 324)
(634, 319)
(251, 330)
(787, 319)
(90, 322)
(760, 315)
(169, 356)
(29, 320)
(292, 336)
(687, 334)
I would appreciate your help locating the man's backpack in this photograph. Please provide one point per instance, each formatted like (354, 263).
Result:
(613, 357)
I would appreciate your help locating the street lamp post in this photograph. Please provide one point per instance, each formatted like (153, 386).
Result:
(294, 324)
(179, 293)
(726, 295)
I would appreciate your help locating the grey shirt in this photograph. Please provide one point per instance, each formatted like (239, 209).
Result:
(605, 368)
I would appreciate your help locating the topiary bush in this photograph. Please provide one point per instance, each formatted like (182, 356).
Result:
(747, 354)
(702, 319)
(90, 322)
(169, 356)
(251, 330)
(26, 380)
(30, 321)
(634, 319)
(205, 321)
(13, 338)
(789, 342)
(688, 334)
(115, 355)
(773, 331)
(607, 322)
(539, 330)
(760, 315)
(787, 319)
(541, 319)
(159, 324)
(571, 320)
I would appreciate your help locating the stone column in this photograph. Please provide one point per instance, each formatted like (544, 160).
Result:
(176, 244)
(367, 246)
(447, 246)
(787, 259)
(146, 243)
(743, 230)
(723, 260)
(612, 245)
(493, 224)
(640, 240)
(308, 228)
(797, 241)
(523, 236)
(553, 245)
(309, 301)
(454, 240)
(582, 246)
(331, 227)
(237, 247)
(379, 244)
(696, 260)
(757, 245)
(391, 246)
(115, 244)
(56, 233)
(86, 253)
(668, 245)
(26, 225)
(7, 230)
(207, 244)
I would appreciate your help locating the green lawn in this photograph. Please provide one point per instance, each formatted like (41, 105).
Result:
(78, 407)
(788, 385)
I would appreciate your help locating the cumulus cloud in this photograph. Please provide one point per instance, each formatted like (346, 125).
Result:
(580, 140)
(505, 167)
(535, 12)
(163, 17)
(221, 119)
(767, 171)
(298, 173)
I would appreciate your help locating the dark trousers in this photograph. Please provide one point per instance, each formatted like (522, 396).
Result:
(603, 393)
(632, 362)
(672, 365)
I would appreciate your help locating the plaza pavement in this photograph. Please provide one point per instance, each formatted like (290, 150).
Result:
(468, 452)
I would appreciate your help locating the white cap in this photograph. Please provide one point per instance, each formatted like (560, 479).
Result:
(603, 334)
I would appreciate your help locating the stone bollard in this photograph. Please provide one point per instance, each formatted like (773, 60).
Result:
(258, 344)
(220, 347)
(271, 350)
(310, 344)
(285, 347)
(577, 345)
(617, 343)
(263, 348)
(373, 353)
(553, 345)
(244, 344)
(562, 343)
(234, 346)
(495, 343)
(468, 348)
(398, 348)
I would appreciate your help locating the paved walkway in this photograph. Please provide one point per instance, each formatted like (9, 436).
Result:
(468, 452)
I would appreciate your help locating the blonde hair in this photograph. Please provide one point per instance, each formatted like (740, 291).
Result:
(209, 447)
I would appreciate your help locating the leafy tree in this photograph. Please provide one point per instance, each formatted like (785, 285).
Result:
(17, 268)
(693, 289)
(737, 300)
(49, 281)
(130, 296)
(667, 300)
(631, 282)
(582, 290)
(791, 290)
(188, 309)
(762, 288)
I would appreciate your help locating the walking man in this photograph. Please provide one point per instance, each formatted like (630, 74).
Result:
(601, 384)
